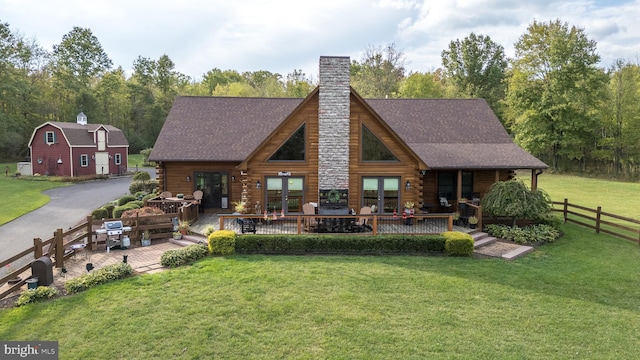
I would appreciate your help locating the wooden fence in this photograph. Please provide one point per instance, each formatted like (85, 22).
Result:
(58, 246)
(599, 220)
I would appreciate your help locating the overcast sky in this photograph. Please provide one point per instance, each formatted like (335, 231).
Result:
(283, 35)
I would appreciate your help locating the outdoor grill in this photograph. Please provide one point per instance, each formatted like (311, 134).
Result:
(113, 229)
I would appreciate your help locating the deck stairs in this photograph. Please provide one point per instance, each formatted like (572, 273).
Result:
(189, 240)
(490, 246)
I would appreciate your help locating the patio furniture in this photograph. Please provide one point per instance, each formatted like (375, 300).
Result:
(310, 223)
(197, 197)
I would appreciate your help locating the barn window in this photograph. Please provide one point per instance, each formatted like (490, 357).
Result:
(117, 159)
(50, 137)
(84, 160)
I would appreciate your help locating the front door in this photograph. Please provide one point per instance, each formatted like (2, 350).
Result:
(215, 189)
(285, 193)
(102, 163)
(381, 192)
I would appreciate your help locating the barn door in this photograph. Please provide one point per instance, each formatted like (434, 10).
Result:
(102, 163)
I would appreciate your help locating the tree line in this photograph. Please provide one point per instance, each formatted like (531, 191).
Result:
(552, 96)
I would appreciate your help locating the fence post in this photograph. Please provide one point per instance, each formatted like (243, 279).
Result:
(89, 229)
(375, 225)
(566, 206)
(598, 211)
(221, 220)
(479, 218)
(37, 252)
(59, 241)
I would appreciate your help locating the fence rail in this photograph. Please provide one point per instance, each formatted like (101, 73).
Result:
(593, 219)
(56, 247)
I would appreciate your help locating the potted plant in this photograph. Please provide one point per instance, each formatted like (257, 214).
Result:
(408, 206)
(456, 218)
(177, 235)
(408, 210)
(184, 227)
(240, 207)
(146, 238)
(473, 222)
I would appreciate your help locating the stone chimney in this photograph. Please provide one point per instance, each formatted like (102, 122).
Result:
(333, 117)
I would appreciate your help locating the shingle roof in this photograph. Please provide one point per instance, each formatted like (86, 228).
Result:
(454, 133)
(444, 133)
(80, 135)
(218, 128)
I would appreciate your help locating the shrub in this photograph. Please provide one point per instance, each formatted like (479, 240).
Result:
(539, 233)
(137, 204)
(149, 186)
(178, 257)
(208, 230)
(40, 293)
(125, 199)
(100, 213)
(222, 242)
(110, 208)
(119, 210)
(140, 194)
(458, 243)
(141, 176)
(97, 277)
(332, 244)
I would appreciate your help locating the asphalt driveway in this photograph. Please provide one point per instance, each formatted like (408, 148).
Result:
(68, 206)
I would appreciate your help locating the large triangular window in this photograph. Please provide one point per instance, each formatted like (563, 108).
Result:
(373, 149)
(292, 149)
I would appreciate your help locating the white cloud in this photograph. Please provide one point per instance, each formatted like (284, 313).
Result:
(283, 35)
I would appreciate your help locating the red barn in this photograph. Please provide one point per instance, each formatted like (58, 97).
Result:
(76, 149)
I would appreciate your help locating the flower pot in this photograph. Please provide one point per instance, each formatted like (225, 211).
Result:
(146, 242)
(177, 236)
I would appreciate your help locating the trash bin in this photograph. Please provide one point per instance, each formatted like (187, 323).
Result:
(42, 269)
(32, 283)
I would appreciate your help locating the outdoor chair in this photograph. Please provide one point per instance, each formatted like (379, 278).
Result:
(362, 221)
(310, 223)
(444, 203)
(197, 197)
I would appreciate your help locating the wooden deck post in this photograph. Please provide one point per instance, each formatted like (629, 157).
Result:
(59, 241)
(37, 251)
(89, 229)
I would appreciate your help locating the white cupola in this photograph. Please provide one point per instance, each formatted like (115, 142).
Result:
(81, 118)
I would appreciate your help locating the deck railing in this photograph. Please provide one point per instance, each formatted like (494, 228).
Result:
(375, 224)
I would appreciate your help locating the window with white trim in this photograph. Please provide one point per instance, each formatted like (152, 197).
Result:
(50, 137)
(117, 159)
(84, 160)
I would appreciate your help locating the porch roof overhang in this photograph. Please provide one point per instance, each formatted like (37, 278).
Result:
(476, 156)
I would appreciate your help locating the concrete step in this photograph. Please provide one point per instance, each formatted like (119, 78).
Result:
(181, 242)
(516, 253)
(484, 241)
(195, 238)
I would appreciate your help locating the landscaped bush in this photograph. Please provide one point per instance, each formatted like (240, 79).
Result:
(110, 207)
(140, 194)
(141, 176)
(149, 196)
(99, 214)
(38, 294)
(458, 243)
(338, 244)
(183, 256)
(125, 199)
(119, 210)
(222, 242)
(533, 234)
(146, 186)
(99, 276)
(136, 203)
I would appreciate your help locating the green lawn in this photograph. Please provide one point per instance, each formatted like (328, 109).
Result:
(20, 197)
(615, 197)
(575, 299)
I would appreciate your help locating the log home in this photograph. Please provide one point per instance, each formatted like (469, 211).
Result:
(335, 148)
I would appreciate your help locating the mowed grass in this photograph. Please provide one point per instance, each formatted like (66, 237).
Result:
(614, 197)
(574, 299)
(20, 197)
